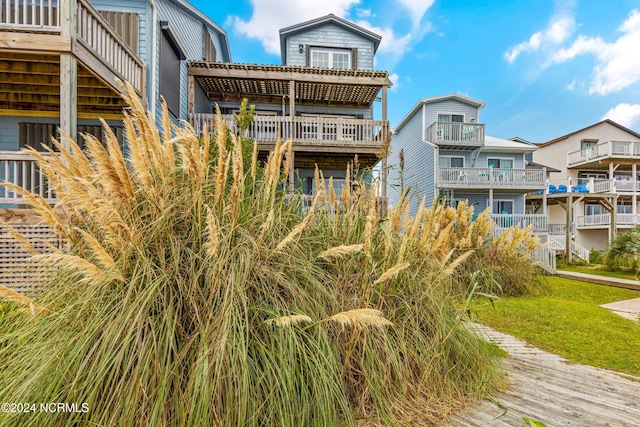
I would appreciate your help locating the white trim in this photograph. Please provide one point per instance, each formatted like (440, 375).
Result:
(464, 118)
(451, 157)
(513, 161)
(331, 51)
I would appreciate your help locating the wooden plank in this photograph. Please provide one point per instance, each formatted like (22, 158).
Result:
(85, 80)
(89, 92)
(34, 43)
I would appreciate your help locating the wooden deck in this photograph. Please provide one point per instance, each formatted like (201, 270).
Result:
(550, 389)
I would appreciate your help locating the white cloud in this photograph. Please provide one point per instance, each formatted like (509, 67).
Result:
(269, 16)
(618, 61)
(395, 79)
(571, 86)
(364, 13)
(558, 30)
(624, 114)
(416, 9)
(393, 44)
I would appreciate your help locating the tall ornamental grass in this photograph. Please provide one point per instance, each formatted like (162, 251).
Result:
(194, 292)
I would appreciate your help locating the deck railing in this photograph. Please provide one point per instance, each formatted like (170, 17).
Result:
(622, 219)
(491, 177)
(454, 133)
(306, 130)
(30, 15)
(540, 222)
(609, 149)
(21, 169)
(91, 31)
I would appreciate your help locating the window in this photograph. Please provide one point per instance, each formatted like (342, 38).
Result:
(330, 58)
(208, 48)
(170, 57)
(504, 207)
(593, 209)
(500, 163)
(456, 118)
(625, 207)
(451, 162)
(588, 147)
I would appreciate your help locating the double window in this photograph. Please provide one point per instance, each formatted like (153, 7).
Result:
(456, 118)
(504, 207)
(451, 162)
(500, 163)
(330, 58)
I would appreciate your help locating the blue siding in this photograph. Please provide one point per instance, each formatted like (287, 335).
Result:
(329, 35)
(419, 173)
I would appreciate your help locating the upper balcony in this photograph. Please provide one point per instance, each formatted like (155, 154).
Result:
(607, 152)
(456, 135)
(35, 34)
(484, 178)
(308, 132)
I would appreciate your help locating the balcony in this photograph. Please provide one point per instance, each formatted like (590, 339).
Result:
(484, 178)
(35, 35)
(607, 152)
(21, 169)
(539, 223)
(307, 131)
(623, 220)
(456, 135)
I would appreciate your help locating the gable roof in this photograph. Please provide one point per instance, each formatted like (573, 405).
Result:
(327, 19)
(493, 144)
(474, 102)
(609, 121)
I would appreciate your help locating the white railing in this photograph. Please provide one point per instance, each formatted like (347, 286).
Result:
(306, 130)
(21, 169)
(622, 219)
(545, 258)
(557, 229)
(558, 243)
(95, 33)
(540, 222)
(603, 186)
(609, 149)
(30, 15)
(580, 251)
(491, 177)
(454, 133)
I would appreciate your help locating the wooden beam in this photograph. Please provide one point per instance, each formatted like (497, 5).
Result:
(191, 94)
(84, 81)
(53, 99)
(289, 75)
(55, 113)
(68, 95)
(54, 90)
(99, 68)
(35, 43)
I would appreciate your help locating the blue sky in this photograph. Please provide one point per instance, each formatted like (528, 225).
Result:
(544, 68)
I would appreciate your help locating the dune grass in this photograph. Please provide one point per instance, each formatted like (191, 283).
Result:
(569, 322)
(195, 292)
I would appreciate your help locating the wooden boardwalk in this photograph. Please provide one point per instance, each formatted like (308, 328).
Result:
(552, 390)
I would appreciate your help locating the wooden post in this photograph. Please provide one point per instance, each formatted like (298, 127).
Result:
(191, 107)
(68, 73)
(569, 210)
(614, 211)
(291, 171)
(387, 143)
(292, 109)
(634, 200)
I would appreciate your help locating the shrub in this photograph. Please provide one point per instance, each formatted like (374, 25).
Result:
(193, 292)
(624, 250)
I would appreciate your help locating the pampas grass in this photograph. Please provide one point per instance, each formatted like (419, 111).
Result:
(174, 303)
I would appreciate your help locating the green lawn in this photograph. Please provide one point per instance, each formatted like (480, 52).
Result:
(569, 322)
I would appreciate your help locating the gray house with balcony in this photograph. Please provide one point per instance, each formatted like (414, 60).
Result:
(445, 153)
(321, 98)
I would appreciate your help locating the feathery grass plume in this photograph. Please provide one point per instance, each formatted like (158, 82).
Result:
(288, 320)
(22, 242)
(91, 273)
(391, 273)
(339, 251)
(100, 254)
(10, 295)
(300, 228)
(254, 161)
(360, 318)
(213, 241)
(221, 144)
(457, 262)
(372, 219)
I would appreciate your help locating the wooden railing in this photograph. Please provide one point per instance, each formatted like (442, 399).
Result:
(21, 169)
(609, 149)
(30, 15)
(306, 130)
(622, 219)
(454, 133)
(95, 33)
(91, 31)
(491, 177)
(540, 222)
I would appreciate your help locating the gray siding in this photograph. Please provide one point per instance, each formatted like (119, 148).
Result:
(453, 106)
(419, 173)
(329, 35)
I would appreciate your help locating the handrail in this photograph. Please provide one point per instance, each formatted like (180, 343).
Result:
(491, 177)
(540, 222)
(456, 133)
(608, 149)
(30, 15)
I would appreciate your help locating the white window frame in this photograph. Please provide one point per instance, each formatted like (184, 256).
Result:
(449, 161)
(499, 201)
(589, 209)
(511, 159)
(331, 51)
(450, 117)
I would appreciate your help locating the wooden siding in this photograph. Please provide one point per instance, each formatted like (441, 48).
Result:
(419, 173)
(453, 106)
(329, 35)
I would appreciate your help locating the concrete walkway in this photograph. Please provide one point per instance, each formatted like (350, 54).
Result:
(550, 389)
(600, 280)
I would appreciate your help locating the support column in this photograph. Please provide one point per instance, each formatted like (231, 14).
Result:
(292, 169)
(569, 253)
(491, 201)
(192, 87)
(387, 143)
(634, 200)
(614, 212)
(292, 109)
(68, 73)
